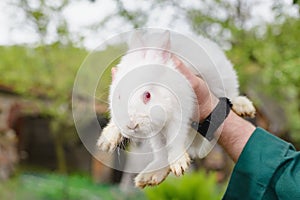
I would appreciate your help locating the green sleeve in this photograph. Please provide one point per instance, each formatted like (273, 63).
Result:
(268, 168)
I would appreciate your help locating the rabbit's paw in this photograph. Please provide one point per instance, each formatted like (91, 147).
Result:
(243, 106)
(109, 138)
(181, 165)
(151, 178)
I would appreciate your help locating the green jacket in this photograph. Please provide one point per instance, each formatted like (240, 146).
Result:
(268, 168)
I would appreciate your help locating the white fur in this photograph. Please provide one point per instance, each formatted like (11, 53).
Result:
(174, 130)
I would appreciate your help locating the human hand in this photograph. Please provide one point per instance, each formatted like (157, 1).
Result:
(235, 131)
(206, 100)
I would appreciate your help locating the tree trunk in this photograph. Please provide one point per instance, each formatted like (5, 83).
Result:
(60, 155)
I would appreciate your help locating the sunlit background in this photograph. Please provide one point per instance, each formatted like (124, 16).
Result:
(42, 45)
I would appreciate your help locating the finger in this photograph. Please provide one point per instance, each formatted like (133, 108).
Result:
(192, 78)
(182, 68)
(113, 72)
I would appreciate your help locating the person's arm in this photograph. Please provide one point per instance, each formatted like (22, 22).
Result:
(266, 167)
(235, 134)
(235, 131)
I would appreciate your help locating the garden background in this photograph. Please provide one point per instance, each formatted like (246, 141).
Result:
(43, 44)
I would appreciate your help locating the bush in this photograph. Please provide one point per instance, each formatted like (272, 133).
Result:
(196, 185)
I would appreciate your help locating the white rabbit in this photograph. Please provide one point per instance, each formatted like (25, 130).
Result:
(154, 111)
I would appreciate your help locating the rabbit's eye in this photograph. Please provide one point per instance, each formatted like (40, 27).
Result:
(146, 97)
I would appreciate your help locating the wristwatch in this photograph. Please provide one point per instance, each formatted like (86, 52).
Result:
(213, 121)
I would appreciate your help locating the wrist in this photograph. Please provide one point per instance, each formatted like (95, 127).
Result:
(235, 134)
(209, 126)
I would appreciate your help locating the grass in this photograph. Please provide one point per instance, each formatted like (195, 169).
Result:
(60, 187)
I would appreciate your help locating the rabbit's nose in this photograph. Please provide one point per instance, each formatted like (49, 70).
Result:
(132, 125)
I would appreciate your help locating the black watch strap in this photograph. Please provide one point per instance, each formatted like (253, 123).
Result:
(208, 127)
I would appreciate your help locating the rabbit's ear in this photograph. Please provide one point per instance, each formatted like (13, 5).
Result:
(165, 45)
(136, 40)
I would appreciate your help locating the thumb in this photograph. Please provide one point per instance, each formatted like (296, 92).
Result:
(113, 72)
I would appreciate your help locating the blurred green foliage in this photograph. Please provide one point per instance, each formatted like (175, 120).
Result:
(269, 64)
(192, 186)
(266, 56)
(46, 74)
(40, 15)
(46, 71)
(57, 187)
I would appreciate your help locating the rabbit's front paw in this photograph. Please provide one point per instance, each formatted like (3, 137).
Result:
(151, 178)
(109, 139)
(181, 165)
